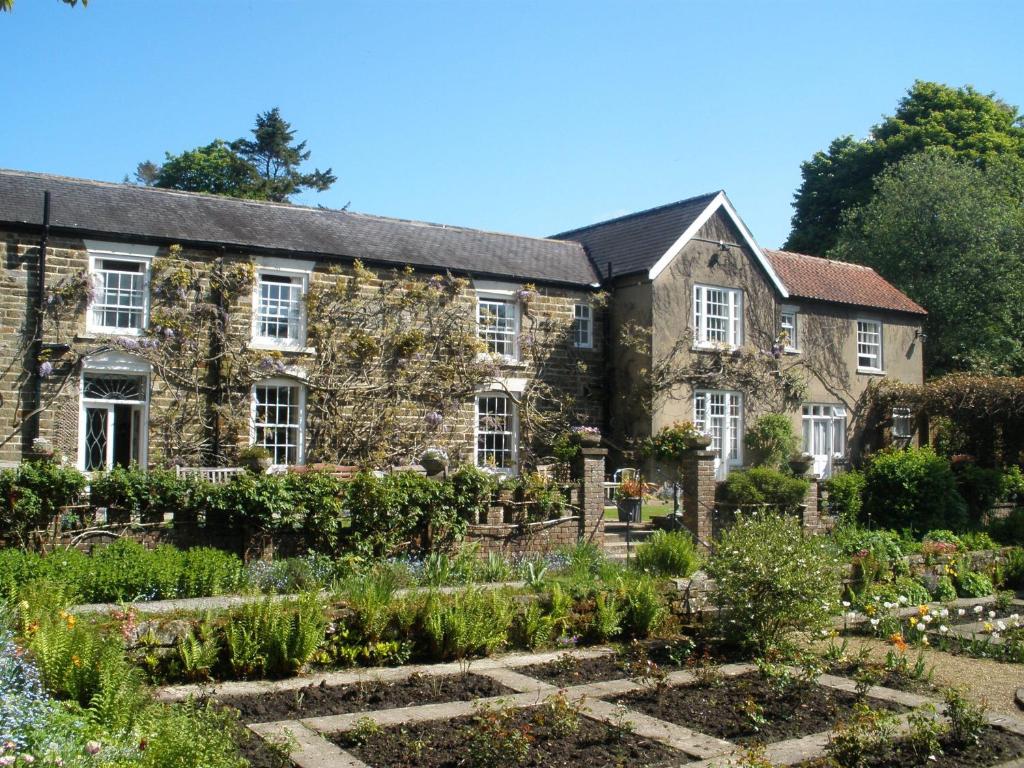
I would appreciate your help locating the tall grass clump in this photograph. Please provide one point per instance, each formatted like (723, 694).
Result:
(668, 554)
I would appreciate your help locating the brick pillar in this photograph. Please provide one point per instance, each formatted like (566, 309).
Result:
(698, 471)
(589, 470)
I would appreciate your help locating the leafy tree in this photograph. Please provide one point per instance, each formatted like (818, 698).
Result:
(215, 168)
(951, 235)
(960, 121)
(277, 159)
(264, 168)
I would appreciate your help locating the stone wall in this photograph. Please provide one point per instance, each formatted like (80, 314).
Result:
(183, 419)
(512, 540)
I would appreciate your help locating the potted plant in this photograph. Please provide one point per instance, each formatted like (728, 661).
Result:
(588, 437)
(671, 443)
(255, 458)
(629, 497)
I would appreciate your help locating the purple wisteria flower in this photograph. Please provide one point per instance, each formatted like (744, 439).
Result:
(45, 369)
(434, 419)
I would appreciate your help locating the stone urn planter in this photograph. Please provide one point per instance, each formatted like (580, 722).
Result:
(256, 459)
(434, 461)
(587, 437)
(801, 464)
(700, 442)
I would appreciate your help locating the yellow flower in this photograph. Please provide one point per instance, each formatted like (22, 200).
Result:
(76, 661)
(71, 619)
(913, 620)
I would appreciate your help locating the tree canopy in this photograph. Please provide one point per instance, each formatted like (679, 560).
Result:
(266, 167)
(961, 122)
(950, 234)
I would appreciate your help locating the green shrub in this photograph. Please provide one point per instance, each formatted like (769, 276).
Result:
(319, 498)
(973, 584)
(1012, 488)
(944, 590)
(472, 490)
(771, 440)
(668, 554)
(643, 607)
(1013, 570)
(32, 494)
(146, 494)
(912, 488)
(1009, 530)
(273, 638)
(471, 622)
(543, 497)
(760, 486)
(911, 590)
(845, 494)
(980, 487)
(852, 539)
(206, 571)
(975, 541)
(256, 502)
(397, 512)
(772, 580)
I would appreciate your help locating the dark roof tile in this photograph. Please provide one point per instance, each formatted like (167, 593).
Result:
(124, 211)
(634, 243)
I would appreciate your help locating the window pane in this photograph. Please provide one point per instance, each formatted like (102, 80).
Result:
(869, 344)
(280, 308)
(581, 326)
(495, 432)
(120, 300)
(716, 315)
(278, 420)
(496, 324)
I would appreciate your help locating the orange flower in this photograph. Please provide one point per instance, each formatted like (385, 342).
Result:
(922, 610)
(76, 661)
(898, 641)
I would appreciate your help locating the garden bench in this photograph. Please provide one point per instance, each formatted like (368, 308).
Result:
(218, 475)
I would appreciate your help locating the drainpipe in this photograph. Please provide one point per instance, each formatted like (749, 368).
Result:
(40, 309)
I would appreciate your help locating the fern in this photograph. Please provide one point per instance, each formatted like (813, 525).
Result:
(199, 652)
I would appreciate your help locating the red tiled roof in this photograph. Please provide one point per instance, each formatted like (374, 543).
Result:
(811, 277)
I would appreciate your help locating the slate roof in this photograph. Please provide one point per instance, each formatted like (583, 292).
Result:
(634, 243)
(125, 211)
(839, 282)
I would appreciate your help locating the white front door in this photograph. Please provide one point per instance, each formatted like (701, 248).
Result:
(113, 420)
(824, 428)
(720, 414)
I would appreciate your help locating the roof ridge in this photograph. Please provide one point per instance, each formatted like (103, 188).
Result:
(268, 203)
(637, 214)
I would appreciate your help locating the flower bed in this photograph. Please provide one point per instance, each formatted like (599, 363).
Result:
(317, 700)
(524, 737)
(994, 747)
(748, 709)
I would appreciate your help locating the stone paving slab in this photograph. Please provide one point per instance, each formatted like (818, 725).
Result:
(693, 743)
(308, 748)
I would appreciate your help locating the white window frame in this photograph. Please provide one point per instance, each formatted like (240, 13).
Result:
(792, 344)
(138, 254)
(512, 415)
(863, 330)
(113, 363)
(505, 293)
(300, 446)
(298, 272)
(732, 402)
(833, 417)
(583, 326)
(733, 303)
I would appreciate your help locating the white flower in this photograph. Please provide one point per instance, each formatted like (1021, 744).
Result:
(920, 626)
(874, 622)
(995, 635)
(944, 612)
(888, 605)
(961, 611)
(943, 628)
(1001, 625)
(846, 603)
(903, 600)
(991, 614)
(877, 598)
(978, 609)
(926, 618)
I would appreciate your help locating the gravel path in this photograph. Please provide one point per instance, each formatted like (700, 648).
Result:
(994, 681)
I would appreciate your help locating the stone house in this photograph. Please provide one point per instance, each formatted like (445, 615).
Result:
(130, 343)
(724, 330)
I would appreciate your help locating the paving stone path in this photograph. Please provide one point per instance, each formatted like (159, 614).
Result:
(312, 749)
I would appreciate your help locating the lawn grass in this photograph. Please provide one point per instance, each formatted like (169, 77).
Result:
(646, 512)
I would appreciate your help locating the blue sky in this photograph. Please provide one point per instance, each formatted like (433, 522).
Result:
(526, 117)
